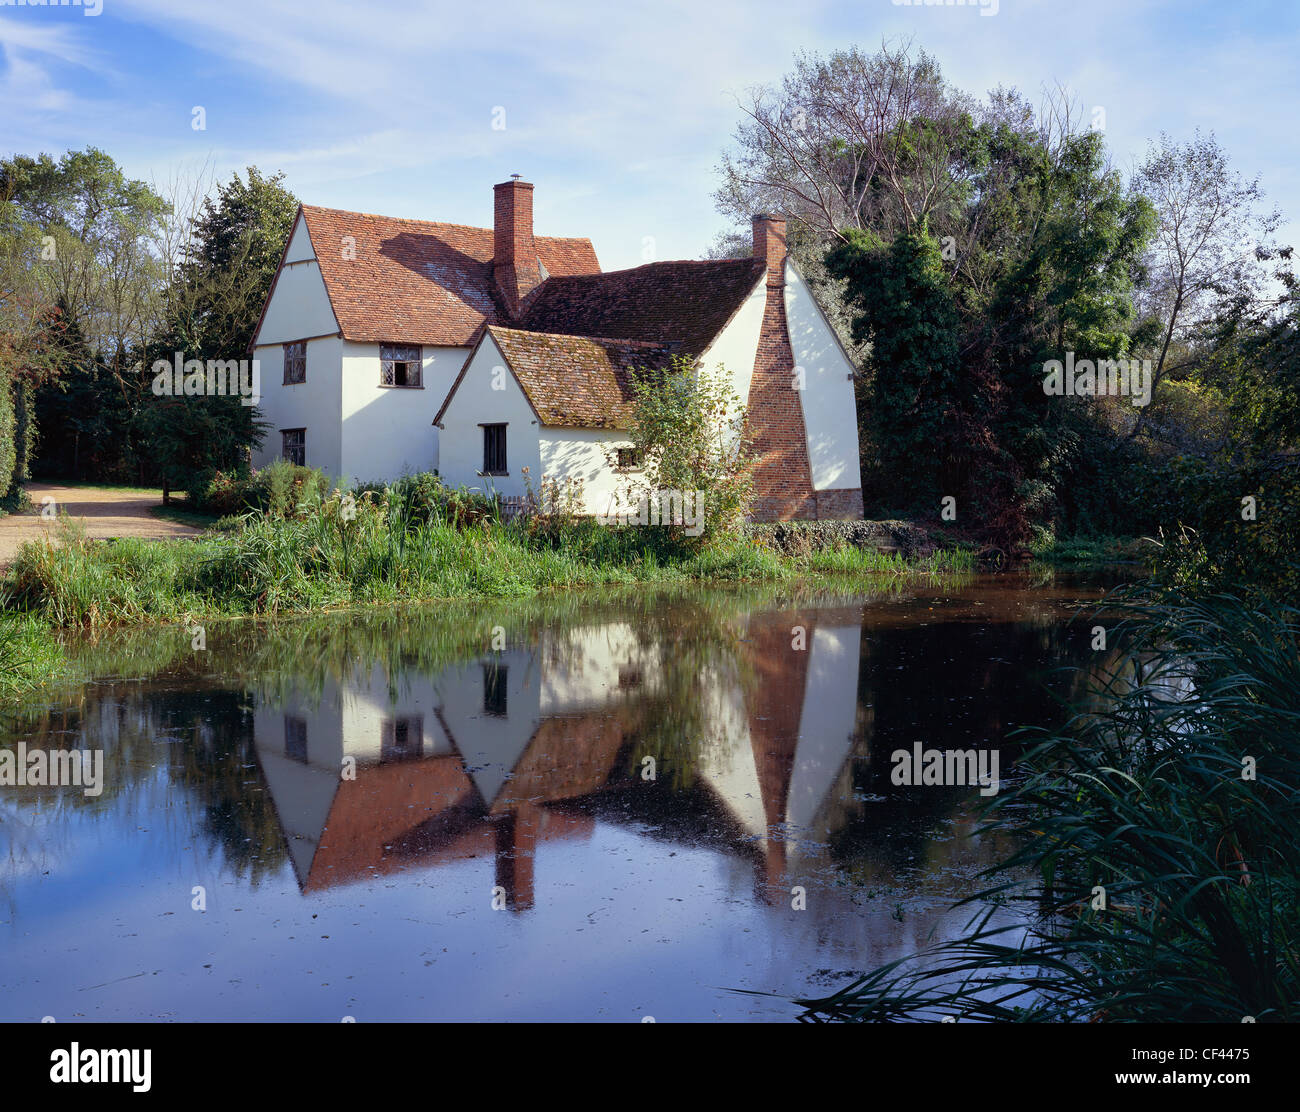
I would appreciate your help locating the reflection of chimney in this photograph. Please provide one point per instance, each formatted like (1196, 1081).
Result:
(769, 245)
(775, 711)
(515, 852)
(514, 255)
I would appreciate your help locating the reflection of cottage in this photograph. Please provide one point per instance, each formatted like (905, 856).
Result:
(493, 755)
(389, 346)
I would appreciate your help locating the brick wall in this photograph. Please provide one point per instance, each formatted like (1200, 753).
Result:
(839, 505)
(782, 476)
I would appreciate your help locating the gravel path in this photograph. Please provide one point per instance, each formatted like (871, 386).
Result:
(105, 513)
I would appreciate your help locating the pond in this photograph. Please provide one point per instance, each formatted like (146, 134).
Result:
(605, 807)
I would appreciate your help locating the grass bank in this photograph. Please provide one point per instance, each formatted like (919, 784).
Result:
(374, 554)
(1073, 551)
(31, 656)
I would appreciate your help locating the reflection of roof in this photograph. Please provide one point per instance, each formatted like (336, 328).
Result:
(419, 282)
(429, 811)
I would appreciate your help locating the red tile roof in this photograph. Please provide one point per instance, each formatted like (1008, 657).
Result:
(419, 282)
(687, 303)
(573, 381)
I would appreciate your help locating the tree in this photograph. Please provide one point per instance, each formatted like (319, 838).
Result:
(1207, 261)
(687, 432)
(222, 278)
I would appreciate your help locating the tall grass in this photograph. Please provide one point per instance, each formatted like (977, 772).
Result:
(1160, 834)
(388, 546)
(29, 656)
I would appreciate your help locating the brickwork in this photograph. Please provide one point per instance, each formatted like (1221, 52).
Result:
(782, 475)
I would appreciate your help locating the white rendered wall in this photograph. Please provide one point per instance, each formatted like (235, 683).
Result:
(581, 453)
(299, 307)
(460, 441)
(388, 430)
(312, 405)
(830, 414)
(300, 246)
(736, 346)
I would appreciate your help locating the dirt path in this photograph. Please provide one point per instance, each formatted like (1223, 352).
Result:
(105, 513)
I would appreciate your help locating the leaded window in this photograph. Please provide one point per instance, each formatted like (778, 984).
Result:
(400, 365)
(295, 362)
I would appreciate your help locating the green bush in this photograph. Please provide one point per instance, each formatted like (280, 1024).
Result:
(279, 490)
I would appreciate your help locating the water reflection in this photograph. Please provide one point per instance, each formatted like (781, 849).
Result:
(645, 784)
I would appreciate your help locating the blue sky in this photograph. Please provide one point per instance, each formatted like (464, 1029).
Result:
(617, 111)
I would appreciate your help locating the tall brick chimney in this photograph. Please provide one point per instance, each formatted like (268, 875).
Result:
(514, 255)
(769, 244)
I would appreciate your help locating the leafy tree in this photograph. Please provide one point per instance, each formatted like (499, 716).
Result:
(687, 430)
(213, 304)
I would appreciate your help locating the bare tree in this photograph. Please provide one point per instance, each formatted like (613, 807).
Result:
(1207, 272)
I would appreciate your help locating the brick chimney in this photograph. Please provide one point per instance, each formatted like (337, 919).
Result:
(514, 255)
(769, 244)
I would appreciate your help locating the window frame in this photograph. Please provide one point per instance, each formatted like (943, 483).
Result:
(503, 454)
(302, 446)
(295, 354)
(635, 461)
(390, 355)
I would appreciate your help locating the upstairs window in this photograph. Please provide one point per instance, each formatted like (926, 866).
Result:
(295, 362)
(400, 365)
(494, 450)
(293, 446)
(494, 689)
(295, 738)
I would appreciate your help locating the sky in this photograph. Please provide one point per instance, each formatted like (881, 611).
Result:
(618, 111)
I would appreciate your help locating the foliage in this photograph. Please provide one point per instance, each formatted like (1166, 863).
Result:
(364, 550)
(687, 429)
(281, 489)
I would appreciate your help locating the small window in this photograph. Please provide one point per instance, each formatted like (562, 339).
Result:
(494, 450)
(293, 446)
(295, 362)
(629, 459)
(402, 739)
(400, 365)
(494, 689)
(295, 738)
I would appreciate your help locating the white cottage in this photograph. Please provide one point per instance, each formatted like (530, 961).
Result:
(382, 339)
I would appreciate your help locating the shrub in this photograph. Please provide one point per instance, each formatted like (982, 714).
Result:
(279, 490)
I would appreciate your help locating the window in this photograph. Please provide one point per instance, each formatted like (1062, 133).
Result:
(629, 459)
(494, 689)
(402, 739)
(295, 362)
(293, 446)
(494, 450)
(400, 365)
(295, 738)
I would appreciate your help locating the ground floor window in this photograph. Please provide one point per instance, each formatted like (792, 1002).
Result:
(494, 450)
(402, 738)
(293, 446)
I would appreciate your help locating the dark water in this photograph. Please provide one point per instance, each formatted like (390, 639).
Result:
(449, 813)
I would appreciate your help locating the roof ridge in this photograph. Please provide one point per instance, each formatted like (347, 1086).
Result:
(662, 262)
(665, 344)
(438, 223)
